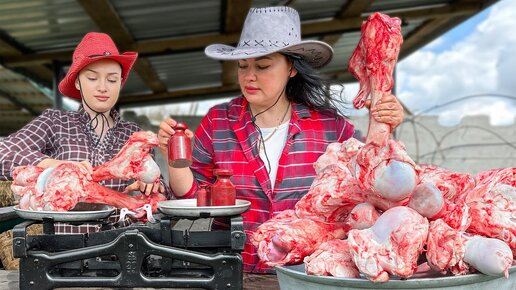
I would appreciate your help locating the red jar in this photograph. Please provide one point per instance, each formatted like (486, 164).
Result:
(180, 148)
(203, 196)
(223, 191)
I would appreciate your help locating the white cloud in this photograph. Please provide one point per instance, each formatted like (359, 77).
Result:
(482, 62)
(438, 42)
(504, 115)
(506, 65)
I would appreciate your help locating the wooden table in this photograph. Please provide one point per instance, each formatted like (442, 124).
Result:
(9, 281)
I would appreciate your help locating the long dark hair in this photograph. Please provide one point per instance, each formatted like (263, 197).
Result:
(310, 88)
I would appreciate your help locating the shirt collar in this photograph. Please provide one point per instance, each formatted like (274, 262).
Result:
(301, 110)
(85, 118)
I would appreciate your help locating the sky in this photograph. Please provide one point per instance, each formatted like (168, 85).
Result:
(477, 58)
(472, 66)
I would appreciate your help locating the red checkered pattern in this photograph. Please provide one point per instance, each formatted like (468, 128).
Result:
(226, 138)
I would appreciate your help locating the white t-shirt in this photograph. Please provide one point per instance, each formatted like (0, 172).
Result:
(274, 145)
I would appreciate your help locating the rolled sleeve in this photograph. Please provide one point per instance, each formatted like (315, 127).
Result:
(190, 193)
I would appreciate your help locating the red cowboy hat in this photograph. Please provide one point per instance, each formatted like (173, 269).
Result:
(94, 46)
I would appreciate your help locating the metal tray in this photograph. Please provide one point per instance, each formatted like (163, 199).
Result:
(295, 278)
(189, 208)
(81, 212)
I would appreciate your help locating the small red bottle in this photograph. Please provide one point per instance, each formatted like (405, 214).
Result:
(180, 148)
(203, 196)
(223, 191)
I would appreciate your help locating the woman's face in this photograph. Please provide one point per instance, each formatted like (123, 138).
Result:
(263, 79)
(100, 83)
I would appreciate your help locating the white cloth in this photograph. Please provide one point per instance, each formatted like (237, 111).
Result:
(274, 145)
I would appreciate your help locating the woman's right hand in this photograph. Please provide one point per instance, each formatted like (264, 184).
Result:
(166, 130)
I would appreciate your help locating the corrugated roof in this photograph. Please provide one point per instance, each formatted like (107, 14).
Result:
(398, 5)
(45, 25)
(187, 70)
(15, 114)
(164, 18)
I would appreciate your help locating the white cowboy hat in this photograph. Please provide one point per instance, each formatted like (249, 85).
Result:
(273, 29)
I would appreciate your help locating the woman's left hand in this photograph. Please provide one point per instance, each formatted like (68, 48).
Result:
(145, 188)
(387, 110)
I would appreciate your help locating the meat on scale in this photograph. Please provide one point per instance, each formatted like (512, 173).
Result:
(62, 187)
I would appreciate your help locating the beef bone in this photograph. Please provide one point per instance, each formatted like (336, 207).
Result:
(133, 161)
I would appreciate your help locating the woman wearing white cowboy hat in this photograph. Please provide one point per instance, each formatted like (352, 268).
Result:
(271, 135)
(88, 137)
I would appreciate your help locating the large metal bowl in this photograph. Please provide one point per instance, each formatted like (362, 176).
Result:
(295, 278)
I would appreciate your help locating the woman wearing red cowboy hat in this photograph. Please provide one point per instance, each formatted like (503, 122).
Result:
(93, 134)
(271, 135)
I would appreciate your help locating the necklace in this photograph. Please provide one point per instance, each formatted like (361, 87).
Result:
(269, 136)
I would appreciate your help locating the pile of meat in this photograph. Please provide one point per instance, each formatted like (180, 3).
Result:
(60, 188)
(372, 210)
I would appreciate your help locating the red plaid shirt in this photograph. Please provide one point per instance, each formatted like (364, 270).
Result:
(226, 138)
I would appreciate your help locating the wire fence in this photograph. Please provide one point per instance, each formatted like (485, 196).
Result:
(472, 146)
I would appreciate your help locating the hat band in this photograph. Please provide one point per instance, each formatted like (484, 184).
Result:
(106, 53)
(262, 43)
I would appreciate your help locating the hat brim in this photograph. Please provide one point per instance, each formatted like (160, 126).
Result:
(67, 85)
(316, 53)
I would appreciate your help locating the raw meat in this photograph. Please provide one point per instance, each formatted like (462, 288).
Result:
(391, 246)
(26, 175)
(453, 185)
(384, 165)
(62, 187)
(429, 201)
(502, 175)
(287, 239)
(331, 197)
(442, 194)
(336, 189)
(67, 185)
(133, 161)
(372, 63)
(493, 205)
(339, 154)
(386, 171)
(356, 182)
(332, 258)
(449, 250)
(363, 216)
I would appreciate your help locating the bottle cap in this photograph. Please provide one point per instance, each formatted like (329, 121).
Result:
(223, 171)
(180, 126)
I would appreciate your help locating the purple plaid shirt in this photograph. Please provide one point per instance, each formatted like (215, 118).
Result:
(65, 136)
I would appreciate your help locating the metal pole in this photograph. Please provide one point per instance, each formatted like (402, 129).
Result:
(58, 98)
